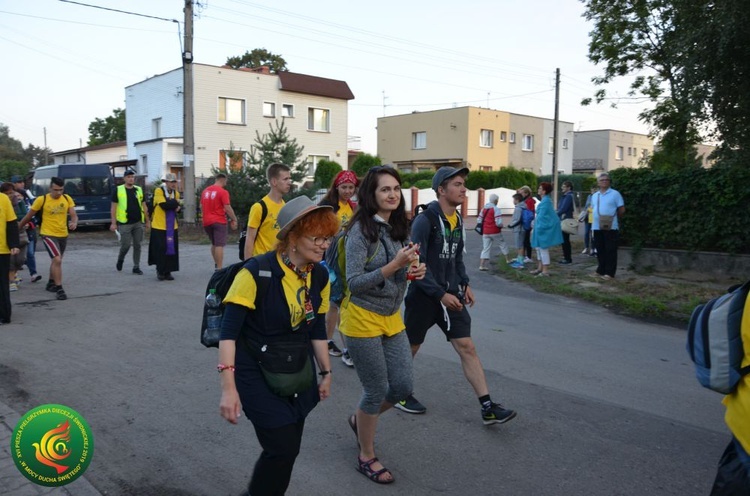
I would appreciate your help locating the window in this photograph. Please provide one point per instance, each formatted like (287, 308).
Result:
(231, 111)
(485, 168)
(618, 153)
(287, 110)
(503, 136)
(236, 159)
(551, 145)
(419, 140)
(485, 138)
(565, 143)
(156, 128)
(312, 163)
(318, 120)
(528, 143)
(630, 151)
(269, 109)
(512, 138)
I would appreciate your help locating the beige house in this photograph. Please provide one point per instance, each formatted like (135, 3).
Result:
(230, 106)
(607, 149)
(478, 138)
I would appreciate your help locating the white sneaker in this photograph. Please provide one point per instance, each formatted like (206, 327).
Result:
(585, 251)
(13, 286)
(347, 359)
(527, 260)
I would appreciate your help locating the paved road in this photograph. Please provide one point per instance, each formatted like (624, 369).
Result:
(607, 405)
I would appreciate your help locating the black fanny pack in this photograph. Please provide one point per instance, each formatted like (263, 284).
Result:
(284, 361)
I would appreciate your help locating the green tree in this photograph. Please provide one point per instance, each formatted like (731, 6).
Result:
(257, 58)
(10, 148)
(108, 130)
(325, 171)
(364, 162)
(652, 40)
(10, 168)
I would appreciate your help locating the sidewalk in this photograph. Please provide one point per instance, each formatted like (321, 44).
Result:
(12, 483)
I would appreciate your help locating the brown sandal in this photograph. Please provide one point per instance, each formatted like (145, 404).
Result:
(365, 467)
(353, 424)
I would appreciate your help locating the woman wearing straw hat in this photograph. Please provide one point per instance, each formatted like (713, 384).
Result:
(292, 308)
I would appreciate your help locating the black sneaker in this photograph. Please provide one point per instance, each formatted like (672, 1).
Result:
(61, 294)
(333, 350)
(138, 271)
(565, 262)
(119, 265)
(496, 414)
(51, 286)
(411, 405)
(168, 276)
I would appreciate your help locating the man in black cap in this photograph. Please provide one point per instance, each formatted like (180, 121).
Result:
(20, 185)
(129, 213)
(441, 297)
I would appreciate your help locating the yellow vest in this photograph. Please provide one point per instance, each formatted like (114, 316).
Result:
(122, 203)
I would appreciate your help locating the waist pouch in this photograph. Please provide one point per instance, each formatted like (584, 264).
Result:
(605, 222)
(284, 362)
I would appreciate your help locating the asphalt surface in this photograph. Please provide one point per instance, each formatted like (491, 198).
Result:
(607, 405)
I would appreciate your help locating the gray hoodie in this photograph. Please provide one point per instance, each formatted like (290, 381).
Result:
(369, 289)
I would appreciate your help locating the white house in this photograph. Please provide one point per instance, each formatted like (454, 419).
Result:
(230, 105)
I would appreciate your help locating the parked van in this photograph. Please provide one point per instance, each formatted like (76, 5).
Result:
(90, 186)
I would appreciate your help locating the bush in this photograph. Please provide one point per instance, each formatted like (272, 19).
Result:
(409, 179)
(364, 162)
(692, 209)
(325, 171)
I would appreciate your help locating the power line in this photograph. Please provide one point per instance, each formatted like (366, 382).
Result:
(120, 11)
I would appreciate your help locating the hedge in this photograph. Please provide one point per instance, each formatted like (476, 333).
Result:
(696, 209)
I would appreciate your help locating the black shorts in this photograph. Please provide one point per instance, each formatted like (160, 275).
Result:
(422, 312)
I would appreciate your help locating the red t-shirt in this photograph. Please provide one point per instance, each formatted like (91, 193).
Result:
(213, 200)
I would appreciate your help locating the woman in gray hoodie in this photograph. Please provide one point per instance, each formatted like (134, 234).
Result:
(378, 259)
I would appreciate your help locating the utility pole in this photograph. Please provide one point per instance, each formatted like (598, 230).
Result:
(555, 136)
(46, 153)
(188, 157)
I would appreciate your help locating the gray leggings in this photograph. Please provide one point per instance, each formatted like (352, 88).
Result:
(384, 367)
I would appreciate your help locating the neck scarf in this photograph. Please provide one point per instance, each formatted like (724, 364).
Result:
(302, 274)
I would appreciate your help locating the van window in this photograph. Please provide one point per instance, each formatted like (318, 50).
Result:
(86, 186)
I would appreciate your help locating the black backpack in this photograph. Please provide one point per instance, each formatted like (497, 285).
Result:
(243, 234)
(222, 280)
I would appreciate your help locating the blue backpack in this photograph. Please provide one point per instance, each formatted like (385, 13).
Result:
(714, 340)
(527, 216)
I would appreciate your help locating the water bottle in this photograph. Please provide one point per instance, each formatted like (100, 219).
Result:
(213, 317)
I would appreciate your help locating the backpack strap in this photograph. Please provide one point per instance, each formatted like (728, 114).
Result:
(263, 212)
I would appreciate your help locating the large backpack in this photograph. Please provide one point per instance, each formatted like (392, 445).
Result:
(527, 217)
(714, 340)
(222, 280)
(335, 259)
(243, 234)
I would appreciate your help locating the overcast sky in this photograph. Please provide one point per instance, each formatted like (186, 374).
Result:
(65, 64)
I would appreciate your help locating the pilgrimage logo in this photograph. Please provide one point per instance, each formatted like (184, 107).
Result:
(52, 445)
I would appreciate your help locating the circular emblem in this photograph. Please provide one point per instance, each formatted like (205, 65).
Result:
(52, 445)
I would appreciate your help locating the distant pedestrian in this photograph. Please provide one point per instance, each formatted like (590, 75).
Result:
(546, 232)
(587, 217)
(441, 297)
(262, 229)
(164, 245)
(491, 218)
(216, 207)
(8, 247)
(565, 209)
(609, 207)
(58, 214)
(17, 260)
(129, 213)
(516, 223)
(531, 207)
(339, 196)
(292, 291)
(31, 228)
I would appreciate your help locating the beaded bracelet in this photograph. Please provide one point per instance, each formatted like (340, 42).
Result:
(221, 368)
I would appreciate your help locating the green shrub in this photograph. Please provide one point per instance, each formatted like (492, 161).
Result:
(325, 171)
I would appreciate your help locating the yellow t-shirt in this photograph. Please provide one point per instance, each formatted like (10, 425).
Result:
(243, 290)
(55, 214)
(159, 219)
(7, 214)
(738, 403)
(265, 238)
(356, 322)
(345, 213)
(452, 220)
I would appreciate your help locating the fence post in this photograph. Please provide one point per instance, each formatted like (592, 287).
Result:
(414, 201)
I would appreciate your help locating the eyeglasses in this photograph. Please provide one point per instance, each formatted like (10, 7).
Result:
(320, 240)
